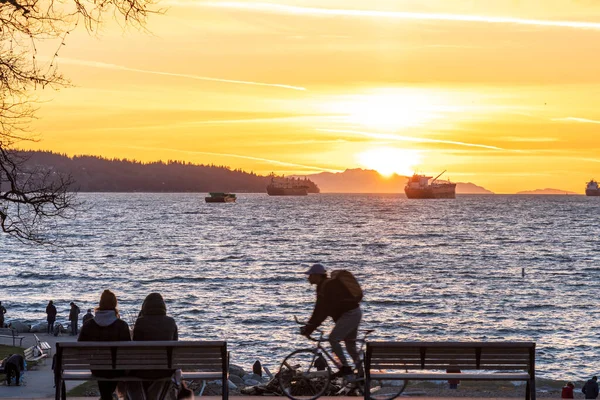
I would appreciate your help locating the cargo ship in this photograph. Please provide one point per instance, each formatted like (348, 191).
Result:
(220, 197)
(282, 186)
(592, 188)
(418, 187)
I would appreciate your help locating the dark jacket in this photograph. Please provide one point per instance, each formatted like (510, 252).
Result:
(333, 300)
(590, 389)
(51, 311)
(16, 360)
(153, 324)
(105, 327)
(87, 317)
(74, 313)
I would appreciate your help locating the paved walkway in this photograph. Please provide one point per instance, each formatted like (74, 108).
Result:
(39, 382)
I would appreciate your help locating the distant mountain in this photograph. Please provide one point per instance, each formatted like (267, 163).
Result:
(546, 191)
(369, 181)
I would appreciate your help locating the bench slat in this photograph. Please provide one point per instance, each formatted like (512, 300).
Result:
(445, 376)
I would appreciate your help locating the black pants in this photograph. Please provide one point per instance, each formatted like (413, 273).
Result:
(107, 388)
(11, 370)
(50, 327)
(74, 327)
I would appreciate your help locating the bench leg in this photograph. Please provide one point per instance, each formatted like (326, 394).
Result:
(64, 390)
(527, 391)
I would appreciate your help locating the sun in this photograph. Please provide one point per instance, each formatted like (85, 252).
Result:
(389, 160)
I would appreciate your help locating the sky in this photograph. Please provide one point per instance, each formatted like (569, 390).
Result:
(501, 93)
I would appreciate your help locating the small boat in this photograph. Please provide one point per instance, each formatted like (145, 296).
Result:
(418, 187)
(220, 197)
(592, 188)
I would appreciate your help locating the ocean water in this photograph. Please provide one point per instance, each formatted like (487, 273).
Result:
(431, 270)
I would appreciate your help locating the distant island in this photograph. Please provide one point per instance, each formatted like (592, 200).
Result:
(546, 191)
(98, 174)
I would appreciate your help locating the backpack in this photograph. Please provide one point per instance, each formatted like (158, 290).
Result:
(349, 282)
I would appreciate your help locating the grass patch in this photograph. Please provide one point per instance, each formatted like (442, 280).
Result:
(6, 350)
(88, 388)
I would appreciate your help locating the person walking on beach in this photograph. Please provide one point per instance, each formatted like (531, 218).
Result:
(74, 318)
(2, 312)
(590, 389)
(51, 316)
(89, 315)
(336, 301)
(106, 326)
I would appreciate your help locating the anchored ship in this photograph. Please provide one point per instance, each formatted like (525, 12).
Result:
(282, 186)
(418, 187)
(592, 188)
(220, 197)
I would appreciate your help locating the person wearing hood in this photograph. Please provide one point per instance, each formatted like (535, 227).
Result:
(153, 324)
(106, 326)
(51, 316)
(590, 389)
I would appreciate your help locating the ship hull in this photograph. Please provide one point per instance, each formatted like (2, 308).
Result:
(592, 192)
(275, 191)
(445, 192)
(219, 199)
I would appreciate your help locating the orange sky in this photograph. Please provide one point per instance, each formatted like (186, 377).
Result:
(501, 93)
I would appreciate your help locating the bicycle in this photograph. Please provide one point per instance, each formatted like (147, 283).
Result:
(305, 374)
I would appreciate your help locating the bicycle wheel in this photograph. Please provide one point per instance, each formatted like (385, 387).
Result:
(385, 389)
(304, 375)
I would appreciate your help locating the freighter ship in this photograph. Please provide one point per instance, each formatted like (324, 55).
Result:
(592, 188)
(281, 186)
(418, 187)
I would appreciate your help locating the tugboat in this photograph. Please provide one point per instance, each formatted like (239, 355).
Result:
(418, 187)
(220, 197)
(290, 187)
(592, 188)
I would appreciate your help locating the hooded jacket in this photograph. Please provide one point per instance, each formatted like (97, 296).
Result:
(105, 327)
(590, 389)
(333, 300)
(153, 323)
(51, 311)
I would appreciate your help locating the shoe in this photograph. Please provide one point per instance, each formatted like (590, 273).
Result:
(345, 370)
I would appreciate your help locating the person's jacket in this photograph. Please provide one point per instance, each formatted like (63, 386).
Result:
(74, 313)
(567, 392)
(154, 324)
(333, 300)
(16, 360)
(105, 327)
(87, 317)
(51, 311)
(590, 389)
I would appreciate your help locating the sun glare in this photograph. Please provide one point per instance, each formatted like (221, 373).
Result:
(388, 160)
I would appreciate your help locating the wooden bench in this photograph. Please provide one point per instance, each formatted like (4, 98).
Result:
(31, 356)
(507, 361)
(202, 360)
(44, 346)
(12, 334)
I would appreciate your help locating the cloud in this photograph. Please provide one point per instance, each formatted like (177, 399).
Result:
(96, 64)
(575, 119)
(409, 138)
(266, 160)
(423, 16)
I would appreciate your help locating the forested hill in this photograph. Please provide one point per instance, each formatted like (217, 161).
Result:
(96, 174)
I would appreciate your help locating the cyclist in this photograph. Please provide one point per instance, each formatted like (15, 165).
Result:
(334, 300)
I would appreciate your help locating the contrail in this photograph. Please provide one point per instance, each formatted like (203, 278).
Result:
(276, 162)
(314, 11)
(575, 119)
(408, 138)
(96, 64)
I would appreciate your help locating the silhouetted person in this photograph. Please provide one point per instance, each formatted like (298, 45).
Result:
(51, 316)
(335, 301)
(590, 389)
(74, 318)
(567, 391)
(257, 368)
(106, 326)
(13, 365)
(87, 316)
(2, 312)
(153, 324)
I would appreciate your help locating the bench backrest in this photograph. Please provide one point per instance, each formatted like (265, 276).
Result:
(501, 356)
(205, 356)
(8, 331)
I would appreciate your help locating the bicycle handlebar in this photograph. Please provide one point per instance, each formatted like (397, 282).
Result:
(366, 332)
